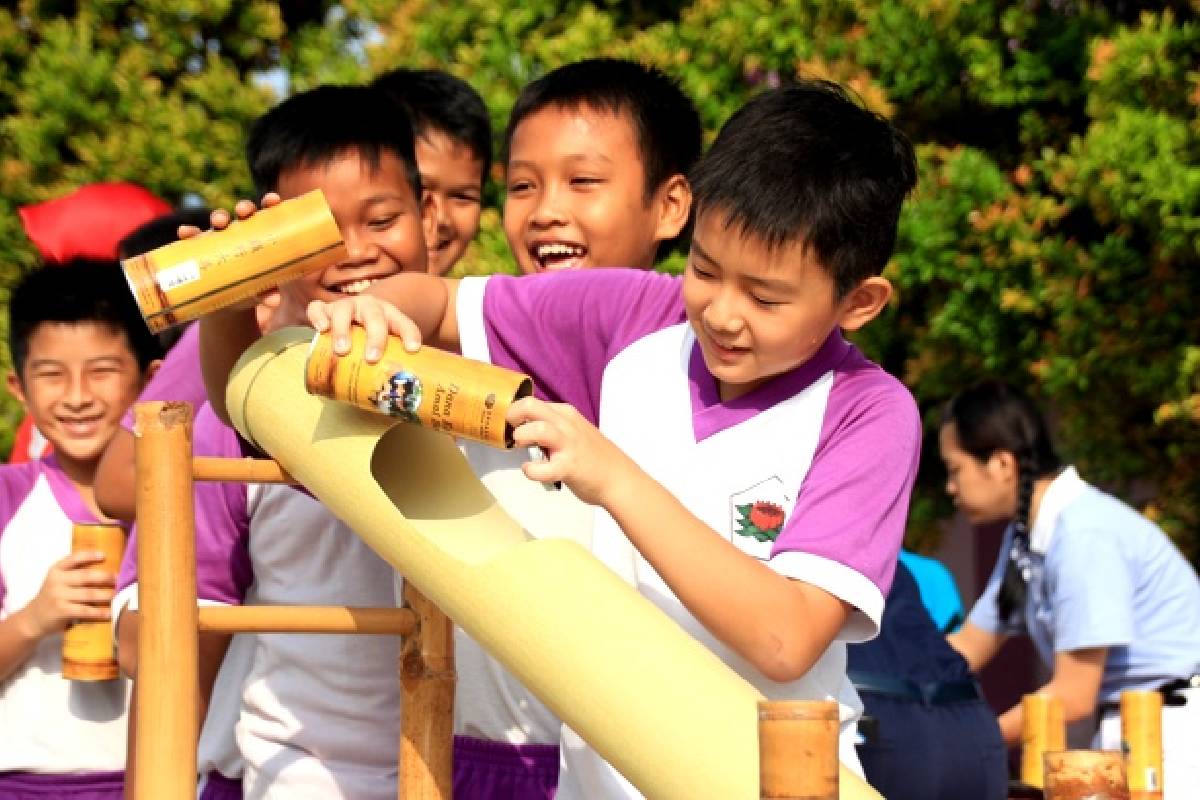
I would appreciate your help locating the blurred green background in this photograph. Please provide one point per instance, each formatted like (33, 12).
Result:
(1054, 239)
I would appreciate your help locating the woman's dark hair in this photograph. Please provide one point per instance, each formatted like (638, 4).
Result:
(992, 416)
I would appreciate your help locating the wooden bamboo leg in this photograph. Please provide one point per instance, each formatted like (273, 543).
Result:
(427, 703)
(798, 750)
(167, 722)
(1141, 735)
(1043, 730)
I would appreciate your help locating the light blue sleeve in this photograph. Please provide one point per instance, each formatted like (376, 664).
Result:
(983, 614)
(1090, 590)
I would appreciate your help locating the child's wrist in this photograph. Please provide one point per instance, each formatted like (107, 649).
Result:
(27, 625)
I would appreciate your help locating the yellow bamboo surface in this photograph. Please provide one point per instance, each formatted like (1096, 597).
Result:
(306, 619)
(660, 706)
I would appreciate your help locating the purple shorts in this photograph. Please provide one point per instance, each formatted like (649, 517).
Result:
(218, 787)
(485, 770)
(78, 786)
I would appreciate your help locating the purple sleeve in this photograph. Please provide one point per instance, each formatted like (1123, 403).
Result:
(563, 328)
(853, 503)
(16, 481)
(223, 570)
(179, 377)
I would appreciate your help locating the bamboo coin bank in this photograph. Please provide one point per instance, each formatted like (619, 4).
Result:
(87, 648)
(1141, 739)
(187, 279)
(433, 388)
(1044, 730)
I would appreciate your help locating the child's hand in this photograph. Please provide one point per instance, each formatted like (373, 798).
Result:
(378, 317)
(73, 591)
(578, 454)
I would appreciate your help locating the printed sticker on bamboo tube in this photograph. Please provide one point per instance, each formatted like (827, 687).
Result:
(87, 647)
(430, 387)
(187, 279)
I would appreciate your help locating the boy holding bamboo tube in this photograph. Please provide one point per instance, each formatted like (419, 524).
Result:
(750, 467)
(80, 354)
(314, 719)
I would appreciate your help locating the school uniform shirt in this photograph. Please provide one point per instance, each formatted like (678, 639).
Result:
(316, 716)
(49, 724)
(810, 472)
(178, 377)
(1103, 576)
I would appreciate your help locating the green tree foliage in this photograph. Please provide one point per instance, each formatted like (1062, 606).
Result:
(1053, 240)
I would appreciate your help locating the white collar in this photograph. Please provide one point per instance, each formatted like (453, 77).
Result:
(1062, 491)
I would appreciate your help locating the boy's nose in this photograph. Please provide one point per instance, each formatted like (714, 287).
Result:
(79, 393)
(548, 211)
(721, 315)
(359, 248)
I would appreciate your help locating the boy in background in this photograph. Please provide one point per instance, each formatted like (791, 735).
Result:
(310, 721)
(453, 138)
(760, 498)
(80, 354)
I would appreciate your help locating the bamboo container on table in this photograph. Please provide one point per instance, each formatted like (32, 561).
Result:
(87, 647)
(1043, 730)
(1141, 739)
(798, 750)
(187, 279)
(1086, 775)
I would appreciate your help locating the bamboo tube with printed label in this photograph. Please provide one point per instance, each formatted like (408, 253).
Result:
(87, 647)
(433, 388)
(187, 279)
(1141, 740)
(1085, 775)
(798, 750)
(1043, 730)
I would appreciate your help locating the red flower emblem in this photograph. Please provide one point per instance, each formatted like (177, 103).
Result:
(766, 516)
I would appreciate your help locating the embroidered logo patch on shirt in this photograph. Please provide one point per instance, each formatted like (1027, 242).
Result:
(756, 516)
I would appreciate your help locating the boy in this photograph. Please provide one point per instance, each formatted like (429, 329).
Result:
(751, 468)
(453, 137)
(597, 160)
(80, 353)
(288, 695)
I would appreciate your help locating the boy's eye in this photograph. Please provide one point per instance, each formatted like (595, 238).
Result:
(383, 222)
(519, 186)
(700, 272)
(465, 197)
(764, 302)
(586, 180)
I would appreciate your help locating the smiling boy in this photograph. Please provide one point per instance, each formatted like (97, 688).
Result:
(672, 405)
(80, 354)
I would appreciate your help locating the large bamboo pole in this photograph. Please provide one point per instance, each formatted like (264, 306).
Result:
(167, 723)
(427, 703)
(307, 619)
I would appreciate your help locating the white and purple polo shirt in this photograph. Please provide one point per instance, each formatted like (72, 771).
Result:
(314, 716)
(810, 472)
(49, 725)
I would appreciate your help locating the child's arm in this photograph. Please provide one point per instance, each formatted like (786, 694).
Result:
(71, 591)
(781, 626)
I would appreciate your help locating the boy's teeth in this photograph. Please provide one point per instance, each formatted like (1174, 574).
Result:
(356, 287)
(558, 250)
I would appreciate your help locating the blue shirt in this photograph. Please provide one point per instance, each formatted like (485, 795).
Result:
(1103, 576)
(939, 593)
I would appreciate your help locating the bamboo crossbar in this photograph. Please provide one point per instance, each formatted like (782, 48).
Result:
(239, 470)
(307, 619)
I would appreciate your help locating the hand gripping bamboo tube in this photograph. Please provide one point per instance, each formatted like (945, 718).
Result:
(192, 277)
(1141, 739)
(1043, 730)
(1086, 775)
(798, 750)
(438, 390)
(87, 647)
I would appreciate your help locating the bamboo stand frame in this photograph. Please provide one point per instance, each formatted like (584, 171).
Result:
(798, 740)
(167, 723)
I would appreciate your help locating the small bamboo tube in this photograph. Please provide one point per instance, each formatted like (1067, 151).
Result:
(798, 750)
(1043, 729)
(1086, 775)
(167, 723)
(239, 470)
(1141, 738)
(427, 702)
(307, 619)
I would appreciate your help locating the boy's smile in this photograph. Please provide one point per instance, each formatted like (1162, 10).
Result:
(576, 193)
(78, 380)
(380, 219)
(757, 312)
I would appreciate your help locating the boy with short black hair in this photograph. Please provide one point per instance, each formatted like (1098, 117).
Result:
(597, 155)
(752, 469)
(80, 354)
(453, 137)
(311, 721)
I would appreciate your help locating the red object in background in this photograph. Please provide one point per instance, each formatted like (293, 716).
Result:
(91, 221)
(87, 223)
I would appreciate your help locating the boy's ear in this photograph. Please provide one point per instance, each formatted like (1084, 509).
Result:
(15, 388)
(151, 369)
(864, 302)
(673, 205)
(428, 219)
